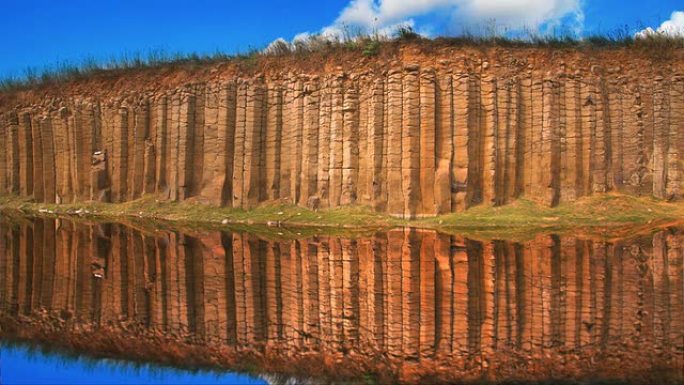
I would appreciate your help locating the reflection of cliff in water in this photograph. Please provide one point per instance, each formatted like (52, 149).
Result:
(402, 305)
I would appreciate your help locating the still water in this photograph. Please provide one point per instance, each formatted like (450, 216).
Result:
(98, 300)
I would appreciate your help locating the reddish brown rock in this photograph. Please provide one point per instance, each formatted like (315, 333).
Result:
(408, 139)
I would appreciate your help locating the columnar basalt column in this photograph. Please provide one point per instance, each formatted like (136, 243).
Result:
(336, 141)
(427, 133)
(310, 142)
(13, 158)
(350, 146)
(444, 144)
(409, 140)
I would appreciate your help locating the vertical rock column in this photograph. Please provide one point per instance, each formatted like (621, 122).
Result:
(227, 120)
(13, 158)
(660, 135)
(38, 181)
(410, 141)
(310, 149)
(377, 145)
(60, 124)
(274, 127)
(674, 188)
(571, 158)
(460, 143)
(211, 187)
(324, 124)
(186, 148)
(601, 140)
(476, 133)
(393, 124)
(550, 143)
(140, 133)
(336, 141)
(350, 145)
(160, 110)
(296, 122)
(4, 153)
(444, 149)
(48, 157)
(253, 178)
(428, 116)
(614, 94)
(364, 188)
(490, 130)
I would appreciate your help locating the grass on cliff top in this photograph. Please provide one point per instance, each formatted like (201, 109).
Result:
(608, 211)
(655, 46)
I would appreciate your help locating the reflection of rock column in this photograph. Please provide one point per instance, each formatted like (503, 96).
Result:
(350, 291)
(336, 293)
(366, 292)
(460, 269)
(214, 286)
(476, 296)
(274, 304)
(49, 260)
(426, 282)
(572, 322)
(241, 306)
(310, 289)
(394, 322)
(444, 295)
(675, 276)
(410, 286)
(5, 267)
(230, 293)
(324, 289)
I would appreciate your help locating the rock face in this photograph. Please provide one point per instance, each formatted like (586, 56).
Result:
(411, 140)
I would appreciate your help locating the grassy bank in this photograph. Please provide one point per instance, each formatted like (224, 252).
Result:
(590, 214)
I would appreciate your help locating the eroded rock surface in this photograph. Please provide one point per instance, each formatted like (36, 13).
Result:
(411, 140)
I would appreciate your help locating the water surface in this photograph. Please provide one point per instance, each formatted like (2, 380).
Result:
(405, 305)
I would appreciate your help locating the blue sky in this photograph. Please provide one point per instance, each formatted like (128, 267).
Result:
(39, 33)
(19, 365)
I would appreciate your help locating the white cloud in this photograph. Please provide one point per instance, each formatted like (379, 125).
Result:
(452, 17)
(672, 27)
(372, 15)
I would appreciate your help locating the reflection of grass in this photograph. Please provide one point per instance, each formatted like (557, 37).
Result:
(522, 216)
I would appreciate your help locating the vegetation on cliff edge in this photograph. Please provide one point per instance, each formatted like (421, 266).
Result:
(655, 46)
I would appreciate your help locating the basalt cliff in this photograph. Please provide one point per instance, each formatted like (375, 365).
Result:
(412, 133)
